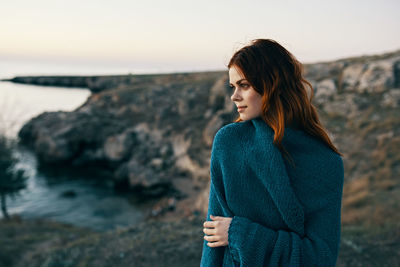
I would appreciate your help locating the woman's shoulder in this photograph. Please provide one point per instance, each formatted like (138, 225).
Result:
(231, 131)
(229, 134)
(247, 130)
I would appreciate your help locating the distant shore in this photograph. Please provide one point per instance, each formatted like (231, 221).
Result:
(95, 83)
(64, 81)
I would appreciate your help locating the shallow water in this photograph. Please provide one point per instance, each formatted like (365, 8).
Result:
(71, 198)
(61, 195)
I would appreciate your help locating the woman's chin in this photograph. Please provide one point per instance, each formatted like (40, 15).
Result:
(246, 117)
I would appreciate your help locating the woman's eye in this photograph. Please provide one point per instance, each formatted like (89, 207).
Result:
(243, 85)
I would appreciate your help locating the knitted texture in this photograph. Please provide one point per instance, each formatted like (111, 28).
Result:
(282, 215)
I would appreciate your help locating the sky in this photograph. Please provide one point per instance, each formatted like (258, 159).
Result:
(192, 35)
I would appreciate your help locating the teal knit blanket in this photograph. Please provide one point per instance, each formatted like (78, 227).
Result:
(283, 215)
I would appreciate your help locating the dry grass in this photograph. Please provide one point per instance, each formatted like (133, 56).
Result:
(356, 192)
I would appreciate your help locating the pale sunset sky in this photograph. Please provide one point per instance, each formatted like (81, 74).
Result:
(189, 35)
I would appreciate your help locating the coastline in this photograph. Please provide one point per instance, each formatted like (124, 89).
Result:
(157, 130)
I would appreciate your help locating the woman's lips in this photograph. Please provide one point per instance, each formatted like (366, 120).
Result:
(241, 108)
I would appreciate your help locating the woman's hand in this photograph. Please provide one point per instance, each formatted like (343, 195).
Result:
(217, 231)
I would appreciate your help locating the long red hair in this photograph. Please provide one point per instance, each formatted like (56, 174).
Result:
(278, 76)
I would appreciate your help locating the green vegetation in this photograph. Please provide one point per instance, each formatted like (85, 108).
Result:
(11, 182)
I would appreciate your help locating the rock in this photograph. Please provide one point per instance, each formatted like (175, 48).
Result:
(141, 178)
(119, 147)
(351, 75)
(146, 131)
(218, 99)
(97, 133)
(374, 76)
(164, 205)
(325, 90)
(215, 123)
(157, 164)
(343, 106)
(201, 203)
(391, 98)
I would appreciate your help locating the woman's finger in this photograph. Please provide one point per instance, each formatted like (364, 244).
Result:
(209, 231)
(214, 244)
(209, 224)
(211, 238)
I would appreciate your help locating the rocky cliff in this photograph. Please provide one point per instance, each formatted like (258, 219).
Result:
(153, 133)
(152, 136)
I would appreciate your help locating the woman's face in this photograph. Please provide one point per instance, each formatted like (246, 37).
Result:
(247, 100)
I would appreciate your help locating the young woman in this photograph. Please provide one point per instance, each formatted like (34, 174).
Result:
(276, 178)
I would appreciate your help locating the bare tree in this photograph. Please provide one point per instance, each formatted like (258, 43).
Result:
(11, 180)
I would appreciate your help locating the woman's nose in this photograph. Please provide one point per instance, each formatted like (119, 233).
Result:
(235, 96)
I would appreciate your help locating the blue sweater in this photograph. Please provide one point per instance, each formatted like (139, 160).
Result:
(282, 215)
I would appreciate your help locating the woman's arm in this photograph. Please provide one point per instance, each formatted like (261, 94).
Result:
(212, 256)
(253, 244)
